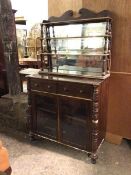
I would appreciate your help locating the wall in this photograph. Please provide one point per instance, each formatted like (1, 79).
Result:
(58, 7)
(119, 112)
(121, 61)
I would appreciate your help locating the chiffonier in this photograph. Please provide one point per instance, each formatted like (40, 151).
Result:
(68, 97)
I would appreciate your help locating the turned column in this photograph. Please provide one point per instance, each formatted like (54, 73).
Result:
(95, 123)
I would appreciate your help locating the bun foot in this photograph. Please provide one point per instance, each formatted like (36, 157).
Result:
(93, 161)
(93, 157)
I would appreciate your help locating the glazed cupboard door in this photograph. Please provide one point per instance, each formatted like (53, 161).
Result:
(44, 113)
(75, 125)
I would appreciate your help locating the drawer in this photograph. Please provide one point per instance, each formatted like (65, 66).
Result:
(43, 85)
(76, 89)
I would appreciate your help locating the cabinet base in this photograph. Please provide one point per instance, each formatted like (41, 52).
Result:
(92, 156)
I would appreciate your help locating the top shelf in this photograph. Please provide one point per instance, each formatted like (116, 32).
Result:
(78, 21)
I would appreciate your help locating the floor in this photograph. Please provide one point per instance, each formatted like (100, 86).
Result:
(46, 158)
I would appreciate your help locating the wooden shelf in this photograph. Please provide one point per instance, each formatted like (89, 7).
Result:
(96, 54)
(77, 37)
(76, 21)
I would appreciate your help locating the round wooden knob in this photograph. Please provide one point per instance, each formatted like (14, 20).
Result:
(49, 86)
(36, 85)
(81, 91)
(65, 89)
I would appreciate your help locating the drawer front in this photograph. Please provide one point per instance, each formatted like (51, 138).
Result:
(43, 85)
(76, 89)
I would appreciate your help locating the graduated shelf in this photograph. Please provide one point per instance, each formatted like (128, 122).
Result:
(87, 54)
(76, 37)
(76, 119)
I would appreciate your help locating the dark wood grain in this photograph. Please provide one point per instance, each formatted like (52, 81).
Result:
(58, 7)
(3, 73)
(70, 110)
(8, 37)
(84, 14)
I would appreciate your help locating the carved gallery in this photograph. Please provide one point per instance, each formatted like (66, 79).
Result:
(65, 78)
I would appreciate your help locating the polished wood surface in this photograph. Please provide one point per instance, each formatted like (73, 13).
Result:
(57, 7)
(119, 110)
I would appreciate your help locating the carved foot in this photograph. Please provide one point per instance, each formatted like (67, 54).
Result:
(93, 161)
(93, 157)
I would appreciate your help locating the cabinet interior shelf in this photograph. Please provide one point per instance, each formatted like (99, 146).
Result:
(76, 119)
(46, 110)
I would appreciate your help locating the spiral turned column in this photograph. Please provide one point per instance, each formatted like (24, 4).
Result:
(95, 122)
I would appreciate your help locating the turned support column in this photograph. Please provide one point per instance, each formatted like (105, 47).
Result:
(95, 122)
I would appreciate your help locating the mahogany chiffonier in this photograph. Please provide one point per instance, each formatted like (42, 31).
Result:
(68, 97)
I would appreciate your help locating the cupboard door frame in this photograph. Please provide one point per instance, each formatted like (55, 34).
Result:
(35, 118)
(87, 126)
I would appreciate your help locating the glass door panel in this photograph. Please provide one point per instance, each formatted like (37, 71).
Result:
(75, 116)
(46, 115)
